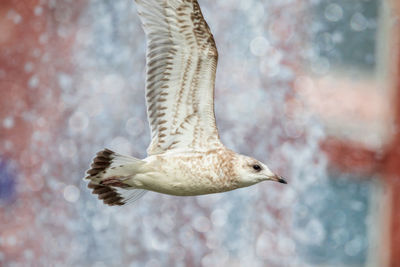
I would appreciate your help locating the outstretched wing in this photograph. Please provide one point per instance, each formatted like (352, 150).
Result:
(181, 66)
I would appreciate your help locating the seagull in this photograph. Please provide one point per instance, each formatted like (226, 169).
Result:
(185, 156)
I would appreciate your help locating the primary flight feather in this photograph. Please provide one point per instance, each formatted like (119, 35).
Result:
(185, 156)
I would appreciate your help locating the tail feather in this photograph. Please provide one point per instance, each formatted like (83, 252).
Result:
(109, 195)
(108, 164)
(100, 163)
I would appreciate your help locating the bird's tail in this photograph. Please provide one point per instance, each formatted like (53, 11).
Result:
(108, 172)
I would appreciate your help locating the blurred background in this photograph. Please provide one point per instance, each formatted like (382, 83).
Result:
(309, 86)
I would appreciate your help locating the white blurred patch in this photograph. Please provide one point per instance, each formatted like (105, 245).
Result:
(258, 12)
(28, 254)
(33, 82)
(112, 84)
(354, 246)
(78, 122)
(71, 193)
(8, 122)
(201, 224)
(14, 16)
(333, 12)
(67, 149)
(65, 81)
(100, 223)
(270, 65)
(28, 67)
(263, 244)
(358, 22)
(94, 107)
(43, 38)
(8, 145)
(312, 234)
(259, 46)
(38, 10)
(219, 217)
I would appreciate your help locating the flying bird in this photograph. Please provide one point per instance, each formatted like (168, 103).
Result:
(185, 156)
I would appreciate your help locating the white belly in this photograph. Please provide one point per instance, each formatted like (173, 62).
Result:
(184, 175)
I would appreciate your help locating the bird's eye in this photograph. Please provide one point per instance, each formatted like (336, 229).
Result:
(257, 167)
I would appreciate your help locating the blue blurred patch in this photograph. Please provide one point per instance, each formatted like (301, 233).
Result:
(334, 228)
(7, 181)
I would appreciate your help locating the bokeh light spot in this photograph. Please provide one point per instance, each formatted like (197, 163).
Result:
(333, 12)
(259, 46)
(71, 193)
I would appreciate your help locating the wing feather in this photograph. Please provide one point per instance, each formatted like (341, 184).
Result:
(181, 66)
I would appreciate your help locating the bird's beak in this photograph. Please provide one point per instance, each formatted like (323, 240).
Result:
(278, 179)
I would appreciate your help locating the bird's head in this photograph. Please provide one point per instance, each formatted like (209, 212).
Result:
(252, 171)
